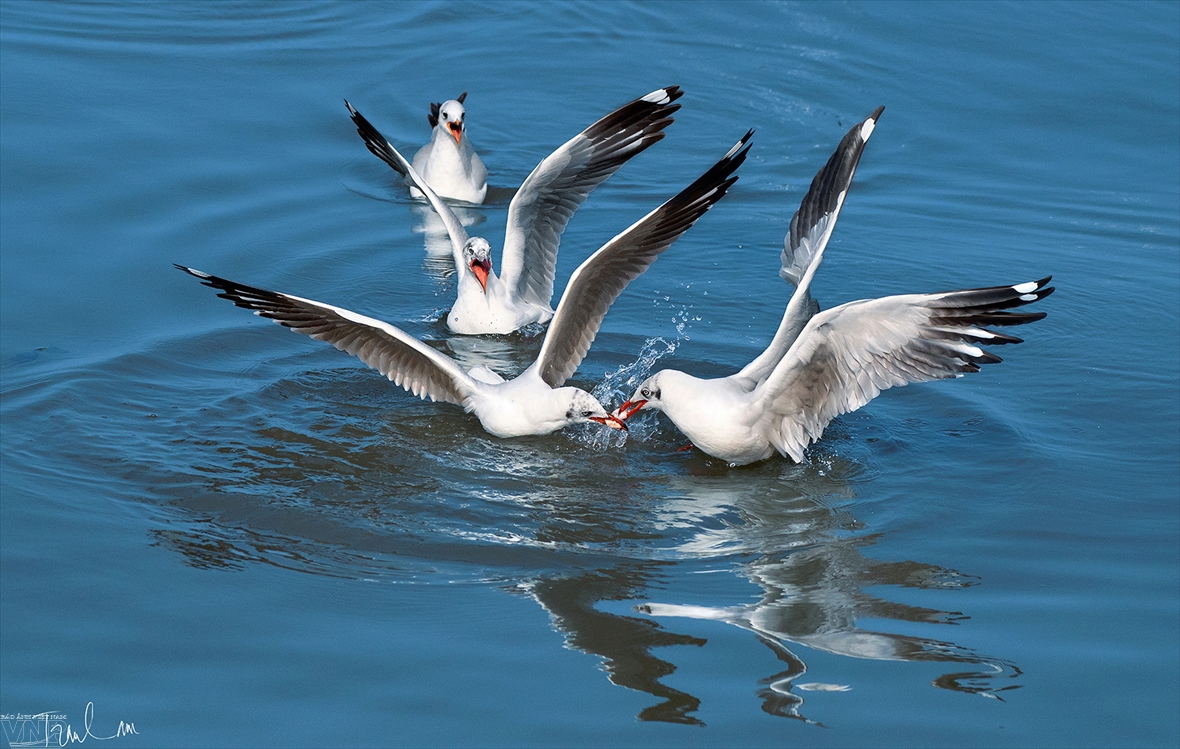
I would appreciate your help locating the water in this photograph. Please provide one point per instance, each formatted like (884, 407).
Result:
(230, 535)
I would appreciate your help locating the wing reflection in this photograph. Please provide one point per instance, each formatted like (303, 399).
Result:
(814, 597)
(440, 262)
(815, 581)
(624, 642)
(339, 492)
(506, 355)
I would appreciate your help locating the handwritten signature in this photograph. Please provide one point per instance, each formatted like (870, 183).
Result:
(50, 729)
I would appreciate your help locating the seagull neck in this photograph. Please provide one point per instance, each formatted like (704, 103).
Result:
(469, 284)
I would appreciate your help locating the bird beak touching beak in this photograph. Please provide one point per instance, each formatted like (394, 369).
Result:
(611, 421)
(481, 269)
(629, 409)
(456, 130)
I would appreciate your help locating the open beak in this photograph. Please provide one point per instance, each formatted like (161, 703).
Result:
(456, 131)
(481, 269)
(610, 420)
(630, 408)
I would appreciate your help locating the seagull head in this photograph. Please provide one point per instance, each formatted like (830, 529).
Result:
(477, 255)
(647, 395)
(584, 407)
(452, 117)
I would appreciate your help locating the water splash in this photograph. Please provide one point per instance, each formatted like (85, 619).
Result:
(617, 386)
(681, 318)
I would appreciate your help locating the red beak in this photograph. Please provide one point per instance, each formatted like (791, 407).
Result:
(611, 421)
(456, 130)
(630, 408)
(481, 269)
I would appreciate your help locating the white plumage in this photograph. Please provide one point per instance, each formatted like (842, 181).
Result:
(537, 216)
(823, 364)
(536, 402)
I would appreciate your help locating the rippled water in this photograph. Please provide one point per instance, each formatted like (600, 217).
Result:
(230, 535)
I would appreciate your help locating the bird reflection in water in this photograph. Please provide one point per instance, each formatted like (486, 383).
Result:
(813, 597)
(813, 576)
(439, 262)
(589, 547)
(624, 642)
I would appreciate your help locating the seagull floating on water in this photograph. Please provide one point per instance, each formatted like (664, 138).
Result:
(448, 162)
(537, 215)
(536, 401)
(823, 364)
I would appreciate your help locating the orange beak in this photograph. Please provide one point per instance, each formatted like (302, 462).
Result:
(630, 408)
(456, 130)
(481, 269)
(611, 421)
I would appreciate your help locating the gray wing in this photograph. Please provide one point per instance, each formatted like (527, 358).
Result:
(539, 212)
(598, 281)
(847, 355)
(394, 353)
(810, 229)
(382, 149)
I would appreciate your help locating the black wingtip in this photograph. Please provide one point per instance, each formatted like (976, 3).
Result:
(673, 92)
(876, 115)
(738, 151)
(191, 271)
(376, 142)
(720, 175)
(207, 279)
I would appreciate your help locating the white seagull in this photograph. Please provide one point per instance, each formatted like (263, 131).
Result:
(448, 163)
(534, 402)
(537, 215)
(823, 364)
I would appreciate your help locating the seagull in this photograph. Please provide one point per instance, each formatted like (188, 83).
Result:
(823, 364)
(535, 402)
(537, 215)
(448, 163)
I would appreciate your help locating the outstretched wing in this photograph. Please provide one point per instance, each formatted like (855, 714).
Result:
(598, 281)
(382, 149)
(810, 229)
(394, 353)
(539, 212)
(847, 355)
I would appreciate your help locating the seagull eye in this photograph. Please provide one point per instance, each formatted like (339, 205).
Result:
(587, 413)
(645, 393)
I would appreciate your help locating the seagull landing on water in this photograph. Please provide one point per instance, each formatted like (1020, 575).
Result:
(448, 163)
(535, 402)
(537, 215)
(823, 364)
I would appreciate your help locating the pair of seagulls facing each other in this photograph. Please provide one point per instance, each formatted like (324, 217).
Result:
(538, 214)
(823, 364)
(535, 402)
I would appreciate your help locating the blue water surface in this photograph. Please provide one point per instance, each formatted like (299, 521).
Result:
(228, 535)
